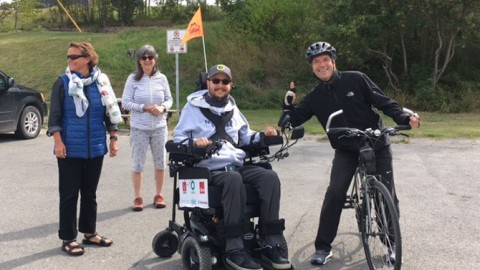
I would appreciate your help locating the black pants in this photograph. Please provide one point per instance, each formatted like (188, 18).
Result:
(343, 168)
(234, 197)
(78, 176)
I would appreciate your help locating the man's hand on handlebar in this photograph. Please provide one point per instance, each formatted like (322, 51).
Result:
(270, 131)
(414, 121)
(202, 142)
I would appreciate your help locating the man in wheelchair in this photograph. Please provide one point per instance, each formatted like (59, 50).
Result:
(211, 115)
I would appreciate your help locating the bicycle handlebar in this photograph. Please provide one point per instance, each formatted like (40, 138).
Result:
(329, 121)
(354, 132)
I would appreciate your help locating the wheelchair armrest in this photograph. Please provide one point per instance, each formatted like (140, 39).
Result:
(255, 150)
(184, 152)
(261, 148)
(173, 147)
(273, 140)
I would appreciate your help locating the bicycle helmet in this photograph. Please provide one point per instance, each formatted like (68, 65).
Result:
(319, 48)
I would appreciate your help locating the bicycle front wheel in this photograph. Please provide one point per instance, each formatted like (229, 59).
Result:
(380, 228)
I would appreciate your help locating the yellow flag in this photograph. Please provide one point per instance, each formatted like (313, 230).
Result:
(195, 27)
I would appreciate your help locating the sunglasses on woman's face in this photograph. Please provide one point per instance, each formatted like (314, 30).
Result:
(75, 56)
(217, 81)
(144, 58)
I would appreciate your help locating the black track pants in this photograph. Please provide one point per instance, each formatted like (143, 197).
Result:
(78, 176)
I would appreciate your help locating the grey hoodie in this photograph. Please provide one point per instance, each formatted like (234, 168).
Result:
(193, 124)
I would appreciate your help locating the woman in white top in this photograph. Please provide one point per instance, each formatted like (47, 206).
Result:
(147, 96)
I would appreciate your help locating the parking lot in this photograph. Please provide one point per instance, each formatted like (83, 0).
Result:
(437, 183)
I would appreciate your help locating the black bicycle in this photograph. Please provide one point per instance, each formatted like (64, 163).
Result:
(375, 210)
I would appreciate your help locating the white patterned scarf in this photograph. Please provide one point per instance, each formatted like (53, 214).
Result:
(75, 89)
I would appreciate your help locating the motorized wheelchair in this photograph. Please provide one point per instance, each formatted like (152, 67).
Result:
(199, 239)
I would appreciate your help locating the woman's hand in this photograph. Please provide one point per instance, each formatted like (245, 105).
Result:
(60, 150)
(155, 110)
(113, 148)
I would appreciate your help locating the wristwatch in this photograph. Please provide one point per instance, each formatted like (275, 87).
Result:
(113, 138)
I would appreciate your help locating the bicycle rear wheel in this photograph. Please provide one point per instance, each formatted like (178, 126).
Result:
(381, 235)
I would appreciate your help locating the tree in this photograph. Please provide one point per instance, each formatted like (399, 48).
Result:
(5, 11)
(125, 9)
(24, 8)
(400, 34)
(450, 22)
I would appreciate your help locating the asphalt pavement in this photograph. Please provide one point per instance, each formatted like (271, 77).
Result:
(437, 184)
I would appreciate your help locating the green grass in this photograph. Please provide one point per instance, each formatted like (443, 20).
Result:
(36, 59)
(447, 126)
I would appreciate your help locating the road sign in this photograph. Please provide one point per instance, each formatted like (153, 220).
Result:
(174, 38)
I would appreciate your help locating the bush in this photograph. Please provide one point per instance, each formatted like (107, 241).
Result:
(463, 98)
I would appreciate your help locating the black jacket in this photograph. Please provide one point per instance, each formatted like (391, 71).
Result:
(358, 97)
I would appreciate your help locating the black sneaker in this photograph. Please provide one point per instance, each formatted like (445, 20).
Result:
(274, 255)
(321, 257)
(239, 259)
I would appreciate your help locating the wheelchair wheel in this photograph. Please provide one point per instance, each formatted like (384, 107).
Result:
(195, 256)
(165, 244)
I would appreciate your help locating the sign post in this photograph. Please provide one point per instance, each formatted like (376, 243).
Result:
(174, 39)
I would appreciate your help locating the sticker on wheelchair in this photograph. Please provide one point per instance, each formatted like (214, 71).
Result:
(193, 193)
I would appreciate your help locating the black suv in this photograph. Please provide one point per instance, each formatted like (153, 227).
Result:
(22, 109)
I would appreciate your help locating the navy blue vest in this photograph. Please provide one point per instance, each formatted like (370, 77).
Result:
(84, 137)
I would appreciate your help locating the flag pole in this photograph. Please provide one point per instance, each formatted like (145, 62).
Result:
(204, 53)
(203, 41)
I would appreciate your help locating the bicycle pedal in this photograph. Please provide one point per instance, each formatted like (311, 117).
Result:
(348, 205)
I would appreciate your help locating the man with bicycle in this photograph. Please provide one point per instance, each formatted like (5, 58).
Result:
(359, 98)
(210, 115)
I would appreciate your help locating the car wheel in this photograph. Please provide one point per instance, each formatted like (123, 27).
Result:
(29, 124)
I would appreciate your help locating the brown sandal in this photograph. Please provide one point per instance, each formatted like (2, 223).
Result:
(69, 248)
(103, 241)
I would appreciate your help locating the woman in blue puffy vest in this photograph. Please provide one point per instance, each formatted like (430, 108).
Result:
(78, 123)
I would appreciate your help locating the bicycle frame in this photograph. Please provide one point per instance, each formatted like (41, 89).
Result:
(359, 191)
